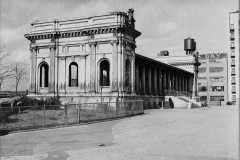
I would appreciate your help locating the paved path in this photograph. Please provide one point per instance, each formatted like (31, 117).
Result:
(167, 134)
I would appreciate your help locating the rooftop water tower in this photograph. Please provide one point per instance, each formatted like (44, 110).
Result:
(189, 46)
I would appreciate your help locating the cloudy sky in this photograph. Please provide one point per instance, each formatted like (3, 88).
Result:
(164, 24)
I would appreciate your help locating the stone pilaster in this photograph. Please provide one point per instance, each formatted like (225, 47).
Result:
(33, 57)
(52, 69)
(114, 65)
(133, 88)
(137, 77)
(62, 74)
(124, 44)
(92, 66)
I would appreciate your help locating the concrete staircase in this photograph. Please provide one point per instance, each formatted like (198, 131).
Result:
(191, 103)
(182, 102)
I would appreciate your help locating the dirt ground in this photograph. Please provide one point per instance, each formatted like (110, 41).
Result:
(169, 134)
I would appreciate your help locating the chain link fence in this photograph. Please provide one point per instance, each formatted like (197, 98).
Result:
(32, 117)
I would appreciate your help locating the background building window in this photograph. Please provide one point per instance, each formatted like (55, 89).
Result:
(233, 71)
(202, 70)
(233, 52)
(44, 75)
(203, 98)
(232, 44)
(216, 98)
(232, 35)
(233, 88)
(216, 79)
(73, 74)
(215, 60)
(104, 73)
(215, 69)
(233, 80)
(233, 61)
(202, 88)
(216, 88)
(233, 97)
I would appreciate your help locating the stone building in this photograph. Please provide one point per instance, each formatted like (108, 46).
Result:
(213, 77)
(92, 59)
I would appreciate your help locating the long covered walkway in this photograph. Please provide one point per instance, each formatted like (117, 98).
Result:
(155, 78)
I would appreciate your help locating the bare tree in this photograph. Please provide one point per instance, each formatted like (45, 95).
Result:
(4, 52)
(19, 73)
(5, 69)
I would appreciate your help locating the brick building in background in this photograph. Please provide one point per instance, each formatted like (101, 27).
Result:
(213, 77)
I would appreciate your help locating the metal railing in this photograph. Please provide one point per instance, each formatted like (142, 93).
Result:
(33, 117)
(177, 93)
(108, 110)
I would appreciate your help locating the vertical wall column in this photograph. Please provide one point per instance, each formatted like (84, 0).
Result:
(190, 84)
(56, 63)
(62, 74)
(160, 82)
(133, 88)
(52, 68)
(33, 57)
(164, 81)
(155, 87)
(92, 66)
(172, 80)
(180, 82)
(149, 79)
(176, 82)
(143, 86)
(137, 77)
(168, 80)
(82, 72)
(183, 87)
(123, 66)
(114, 65)
(186, 86)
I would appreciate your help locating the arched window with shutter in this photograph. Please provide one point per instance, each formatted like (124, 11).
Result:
(104, 73)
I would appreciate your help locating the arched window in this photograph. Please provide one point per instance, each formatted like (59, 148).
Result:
(104, 73)
(128, 71)
(44, 75)
(73, 74)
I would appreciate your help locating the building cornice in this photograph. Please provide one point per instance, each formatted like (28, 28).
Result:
(83, 32)
(78, 18)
